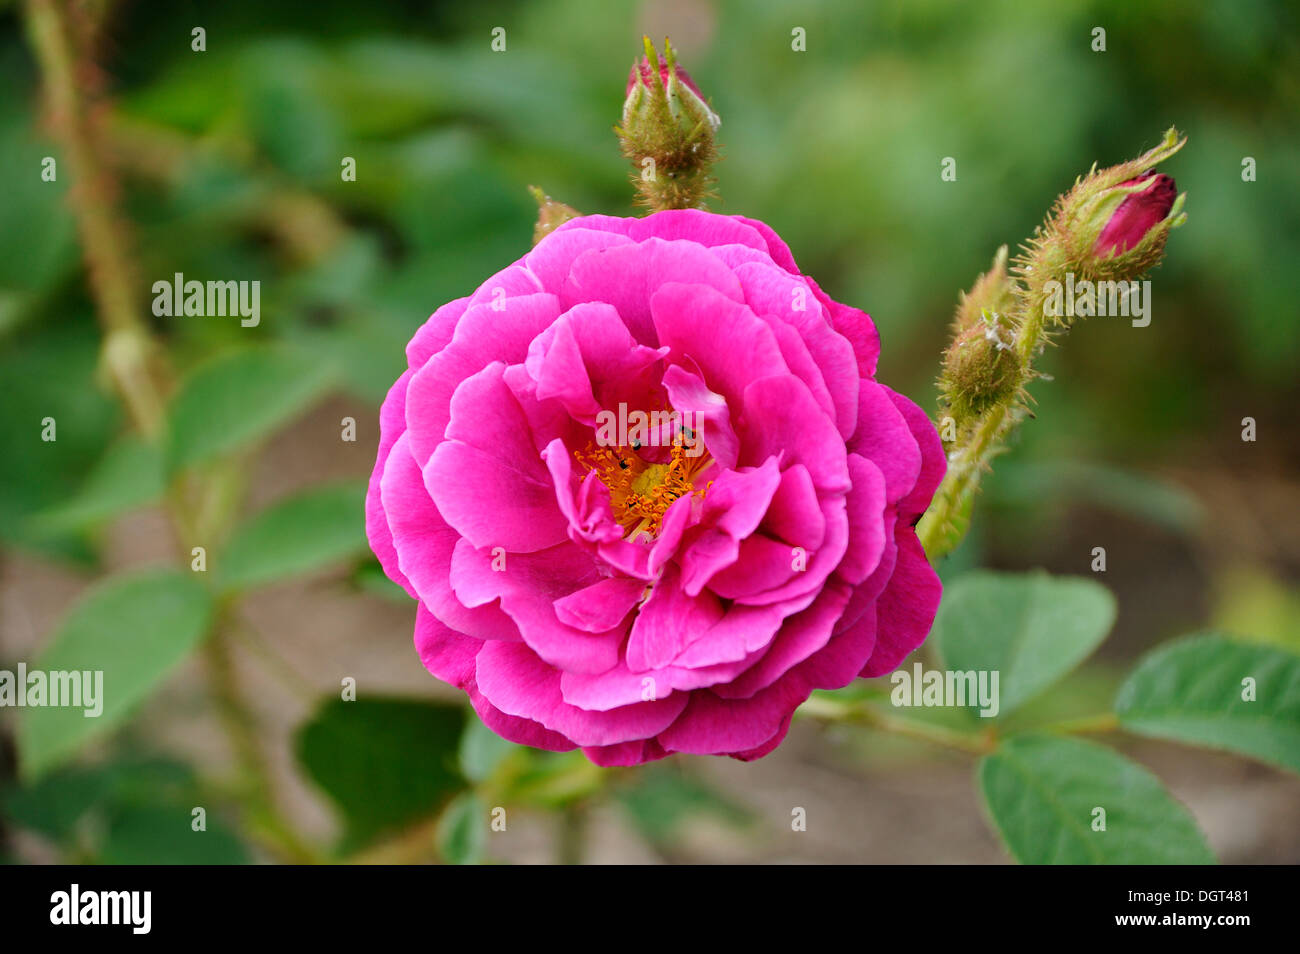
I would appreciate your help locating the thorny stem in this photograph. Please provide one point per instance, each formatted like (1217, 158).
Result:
(133, 359)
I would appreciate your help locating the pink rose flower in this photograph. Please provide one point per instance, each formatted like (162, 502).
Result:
(636, 590)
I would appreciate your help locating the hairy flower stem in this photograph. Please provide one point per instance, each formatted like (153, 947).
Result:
(985, 377)
(971, 743)
(850, 713)
(134, 361)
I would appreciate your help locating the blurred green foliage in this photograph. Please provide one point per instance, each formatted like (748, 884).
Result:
(231, 159)
(230, 162)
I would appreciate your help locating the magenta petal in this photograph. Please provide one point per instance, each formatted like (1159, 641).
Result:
(802, 635)
(795, 514)
(905, 610)
(588, 360)
(933, 462)
(790, 298)
(781, 418)
(692, 225)
(552, 257)
(733, 508)
(884, 438)
(667, 622)
(392, 425)
(424, 544)
(515, 281)
(447, 654)
(821, 563)
(483, 335)
(434, 334)
(743, 631)
(515, 729)
(688, 393)
(866, 510)
(762, 564)
(856, 326)
(514, 680)
(701, 326)
(626, 753)
(528, 585)
(621, 686)
(487, 480)
(776, 246)
(628, 276)
(714, 726)
(601, 606)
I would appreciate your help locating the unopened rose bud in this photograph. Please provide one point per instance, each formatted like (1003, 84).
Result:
(1139, 213)
(667, 133)
(993, 291)
(1114, 223)
(685, 100)
(981, 367)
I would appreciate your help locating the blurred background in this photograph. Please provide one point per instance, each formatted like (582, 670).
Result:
(225, 163)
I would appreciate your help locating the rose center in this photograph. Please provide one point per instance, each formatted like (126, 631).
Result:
(640, 491)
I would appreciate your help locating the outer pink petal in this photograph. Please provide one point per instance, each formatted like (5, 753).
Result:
(552, 257)
(483, 335)
(487, 479)
(528, 587)
(433, 335)
(392, 425)
(905, 610)
(424, 544)
(627, 277)
(933, 462)
(518, 683)
(884, 438)
(857, 326)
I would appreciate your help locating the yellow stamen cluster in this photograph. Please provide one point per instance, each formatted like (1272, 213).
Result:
(640, 491)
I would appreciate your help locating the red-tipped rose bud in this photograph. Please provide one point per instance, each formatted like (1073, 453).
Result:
(1112, 226)
(1137, 214)
(678, 84)
(667, 133)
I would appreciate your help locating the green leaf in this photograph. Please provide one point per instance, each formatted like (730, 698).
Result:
(54, 804)
(129, 475)
(311, 530)
(369, 577)
(662, 799)
(384, 762)
(134, 629)
(163, 835)
(1042, 794)
(236, 398)
(1030, 628)
(482, 750)
(1191, 691)
(462, 830)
